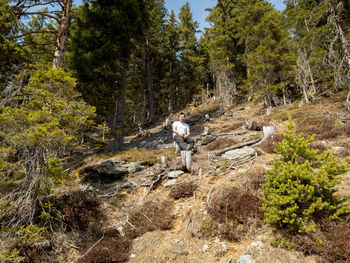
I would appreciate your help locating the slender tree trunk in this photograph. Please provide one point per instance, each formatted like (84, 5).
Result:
(343, 40)
(171, 90)
(62, 34)
(118, 118)
(149, 82)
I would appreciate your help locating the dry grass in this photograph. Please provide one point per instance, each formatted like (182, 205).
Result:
(233, 126)
(82, 211)
(270, 143)
(150, 216)
(207, 107)
(233, 210)
(330, 241)
(323, 127)
(185, 189)
(220, 143)
(149, 157)
(112, 248)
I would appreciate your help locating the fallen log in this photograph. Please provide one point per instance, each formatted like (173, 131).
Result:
(237, 146)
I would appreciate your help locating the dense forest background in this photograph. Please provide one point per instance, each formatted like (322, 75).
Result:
(134, 61)
(79, 78)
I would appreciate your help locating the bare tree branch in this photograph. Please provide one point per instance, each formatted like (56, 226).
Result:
(33, 32)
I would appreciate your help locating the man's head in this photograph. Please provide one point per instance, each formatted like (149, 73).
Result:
(182, 117)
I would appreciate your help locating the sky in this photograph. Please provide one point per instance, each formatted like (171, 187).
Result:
(198, 8)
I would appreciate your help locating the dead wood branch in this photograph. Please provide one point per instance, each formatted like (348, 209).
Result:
(237, 146)
(230, 133)
(154, 183)
(98, 241)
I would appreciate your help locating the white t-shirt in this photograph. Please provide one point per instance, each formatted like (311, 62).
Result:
(181, 127)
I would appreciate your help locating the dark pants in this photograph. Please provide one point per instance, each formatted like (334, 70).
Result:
(183, 142)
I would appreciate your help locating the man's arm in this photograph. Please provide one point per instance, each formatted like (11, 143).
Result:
(187, 132)
(176, 132)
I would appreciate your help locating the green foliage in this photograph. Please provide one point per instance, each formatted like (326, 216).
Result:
(36, 137)
(302, 185)
(11, 256)
(30, 234)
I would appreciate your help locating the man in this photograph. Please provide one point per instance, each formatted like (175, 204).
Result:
(181, 134)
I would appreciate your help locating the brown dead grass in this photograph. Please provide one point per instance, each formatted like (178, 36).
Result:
(233, 126)
(182, 190)
(82, 211)
(269, 144)
(111, 249)
(233, 209)
(149, 157)
(330, 241)
(150, 216)
(220, 143)
(256, 177)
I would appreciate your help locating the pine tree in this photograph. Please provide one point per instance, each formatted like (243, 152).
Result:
(302, 184)
(189, 55)
(171, 49)
(225, 50)
(101, 49)
(266, 54)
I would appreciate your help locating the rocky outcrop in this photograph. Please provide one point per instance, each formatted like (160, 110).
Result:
(110, 171)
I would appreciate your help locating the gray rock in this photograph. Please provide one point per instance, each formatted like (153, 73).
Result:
(128, 185)
(142, 144)
(239, 153)
(246, 259)
(170, 183)
(133, 167)
(175, 174)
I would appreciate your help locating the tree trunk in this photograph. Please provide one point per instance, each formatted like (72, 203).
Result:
(149, 82)
(62, 34)
(171, 90)
(118, 118)
(343, 40)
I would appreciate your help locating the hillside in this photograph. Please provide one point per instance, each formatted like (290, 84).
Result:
(208, 215)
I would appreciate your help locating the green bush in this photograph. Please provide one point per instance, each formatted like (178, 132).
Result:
(42, 127)
(300, 187)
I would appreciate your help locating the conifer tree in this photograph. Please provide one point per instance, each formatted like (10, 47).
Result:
(189, 55)
(225, 50)
(101, 48)
(266, 52)
(171, 49)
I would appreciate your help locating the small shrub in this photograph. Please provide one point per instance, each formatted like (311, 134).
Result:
(235, 205)
(220, 143)
(182, 190)
(330, 241)
(256, 177)
(111, 249)
(301, 185)
(269, 144)
(232, 211)
(149, 217)
(82, 211)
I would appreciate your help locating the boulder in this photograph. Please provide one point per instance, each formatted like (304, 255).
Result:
(110, 171)
(237, 154)
(175, 174)
(170, 183)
